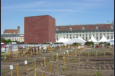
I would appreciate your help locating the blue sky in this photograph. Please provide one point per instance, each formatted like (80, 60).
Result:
(65, 12)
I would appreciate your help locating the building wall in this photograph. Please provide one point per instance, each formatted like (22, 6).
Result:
(14, 37)
(51, 29)
(108, 35)
(37, 29)
(97, 34)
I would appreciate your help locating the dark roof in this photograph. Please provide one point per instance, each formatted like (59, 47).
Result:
(41, 16)
(87, 27)
(11, 31)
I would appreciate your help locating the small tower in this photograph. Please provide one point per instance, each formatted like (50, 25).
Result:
(18, 28)
(108, 22)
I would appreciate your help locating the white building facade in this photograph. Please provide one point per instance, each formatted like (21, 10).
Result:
(85, 31)
(13, 37)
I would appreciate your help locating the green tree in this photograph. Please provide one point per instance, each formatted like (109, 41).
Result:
(89, 43)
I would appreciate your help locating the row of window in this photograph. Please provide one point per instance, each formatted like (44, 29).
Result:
(83, 28)
(97, 38)
(86, 34)
(14, 38)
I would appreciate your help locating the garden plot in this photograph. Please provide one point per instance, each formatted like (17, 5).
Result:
(93, 67)
(77, 63)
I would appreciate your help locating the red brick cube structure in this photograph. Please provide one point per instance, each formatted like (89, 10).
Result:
(39, 29)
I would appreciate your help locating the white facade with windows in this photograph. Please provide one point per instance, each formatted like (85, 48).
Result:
(86, 35)
(14, 37)
(84, 32)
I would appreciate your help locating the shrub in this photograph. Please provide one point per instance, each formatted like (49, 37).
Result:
(108, 44)
(58, 43)
(32, 43)
(105, 43)
(89, 43)
(45, 43)
(76, 44)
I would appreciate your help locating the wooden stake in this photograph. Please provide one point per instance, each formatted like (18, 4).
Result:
(79, 57)
(26, 69)
(34, 64)
(12, 55)
(50, 67)
(96, 53)
(64, 60)
(35, 73)
(72, 53)
(104, 53)
(17, 70)
(56, 63)
(31, 52)
(39, 51)
(113, 53)
(52, 58)
(18, 48)
(57, 57)
(44, 62)
(11, 72)
(88, 54)
(44, 74)
(75, 54)
(41, 70)
(68, 56)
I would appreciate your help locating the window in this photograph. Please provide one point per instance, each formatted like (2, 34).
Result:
(96, 28)
(57, 38)
(100, 34)
(70, 29)
(83, 28)
(57, 29)
(100, 37)
(86, 38)
(107, 37)
(111, 34)
(97, 38)
(111, 37)
(111, 27)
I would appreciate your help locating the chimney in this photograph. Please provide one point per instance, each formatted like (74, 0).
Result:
(18, 28)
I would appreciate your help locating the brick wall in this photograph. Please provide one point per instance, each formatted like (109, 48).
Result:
(39, 29)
